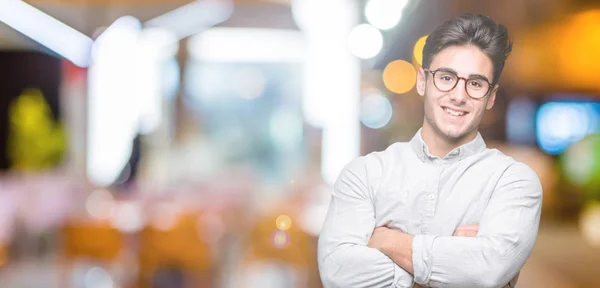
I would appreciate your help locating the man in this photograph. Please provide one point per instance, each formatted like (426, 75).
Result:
(441, 210)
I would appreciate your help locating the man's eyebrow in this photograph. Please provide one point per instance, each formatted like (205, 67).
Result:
(479, 76)
(450, 70)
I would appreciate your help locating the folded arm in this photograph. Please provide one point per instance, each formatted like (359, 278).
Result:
(344, 258)
(507, 233)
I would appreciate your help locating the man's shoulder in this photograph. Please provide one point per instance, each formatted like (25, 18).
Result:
(521, 171)
(511, 165)
(514, 170)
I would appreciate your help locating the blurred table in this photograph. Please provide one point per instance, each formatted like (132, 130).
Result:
(561, 259)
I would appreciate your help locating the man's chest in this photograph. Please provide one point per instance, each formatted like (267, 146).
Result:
(434, 200)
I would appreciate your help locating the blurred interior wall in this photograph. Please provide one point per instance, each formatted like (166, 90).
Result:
(21, 70)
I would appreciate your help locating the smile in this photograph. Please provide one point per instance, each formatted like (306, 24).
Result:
(452, 112)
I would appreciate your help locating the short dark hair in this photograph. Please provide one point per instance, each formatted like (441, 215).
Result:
(471, 29)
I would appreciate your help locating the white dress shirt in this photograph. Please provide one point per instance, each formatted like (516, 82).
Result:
(408, 189)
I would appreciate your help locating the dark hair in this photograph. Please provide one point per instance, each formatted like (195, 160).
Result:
(471, 29)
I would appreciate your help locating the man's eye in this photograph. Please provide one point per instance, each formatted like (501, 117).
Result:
(475, 84)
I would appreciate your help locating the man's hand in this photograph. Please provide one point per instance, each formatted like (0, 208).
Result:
(380, 239)
(464, 231)
(395, 244)
(398, 245)
(467, 230)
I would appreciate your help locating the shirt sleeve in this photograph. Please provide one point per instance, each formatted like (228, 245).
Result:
(344, 258)
(506, 237)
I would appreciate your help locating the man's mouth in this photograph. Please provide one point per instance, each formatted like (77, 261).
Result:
(453, 112)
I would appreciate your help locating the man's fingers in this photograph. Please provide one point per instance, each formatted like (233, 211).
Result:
(466, 233)
(469, 227)
(470, 230)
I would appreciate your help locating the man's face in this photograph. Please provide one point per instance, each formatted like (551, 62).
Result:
(454, 115)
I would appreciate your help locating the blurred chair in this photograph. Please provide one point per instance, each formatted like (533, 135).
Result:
(289, 249)
(97, 241)
(3, 255)
(179, 247)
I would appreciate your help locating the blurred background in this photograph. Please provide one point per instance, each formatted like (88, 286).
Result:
(169, 143)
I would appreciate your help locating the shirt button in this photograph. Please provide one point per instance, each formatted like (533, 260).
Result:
(431, 197)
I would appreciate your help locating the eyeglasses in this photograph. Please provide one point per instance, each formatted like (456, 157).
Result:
(445, 81)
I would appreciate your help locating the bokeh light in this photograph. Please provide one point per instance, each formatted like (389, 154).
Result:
(171, 82)
(589, 224)
(520, 121)
(375, 110)
(283, 222)
(313, 216)
(365, 41)
(286, 128)
(210, 227)
(576, 65)
(158, 43)
(581, 165)
(165, 216)
(98, 277)
(128, 217)
(250, 83)
(100, 204)
(384, 14)
(418, 50)
(315, 15)
(559, 124)
(280, 239)
(113, 99)
(399, 76)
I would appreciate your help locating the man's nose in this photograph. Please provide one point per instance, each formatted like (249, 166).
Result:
(459, 94)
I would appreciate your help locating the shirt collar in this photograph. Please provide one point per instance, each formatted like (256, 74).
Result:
(420, 148)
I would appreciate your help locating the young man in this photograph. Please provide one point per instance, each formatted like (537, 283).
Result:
(441, 210)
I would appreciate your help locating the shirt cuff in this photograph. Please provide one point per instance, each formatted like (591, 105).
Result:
(402, 279)
(422, 247)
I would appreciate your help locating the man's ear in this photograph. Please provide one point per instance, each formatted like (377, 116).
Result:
(492, 98)
(421, 81)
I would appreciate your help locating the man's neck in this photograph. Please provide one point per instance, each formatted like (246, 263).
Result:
(439, 145)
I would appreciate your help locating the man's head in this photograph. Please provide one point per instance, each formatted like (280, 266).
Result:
(462, 62)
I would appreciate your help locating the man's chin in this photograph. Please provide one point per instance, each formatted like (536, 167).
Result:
(455, 135)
